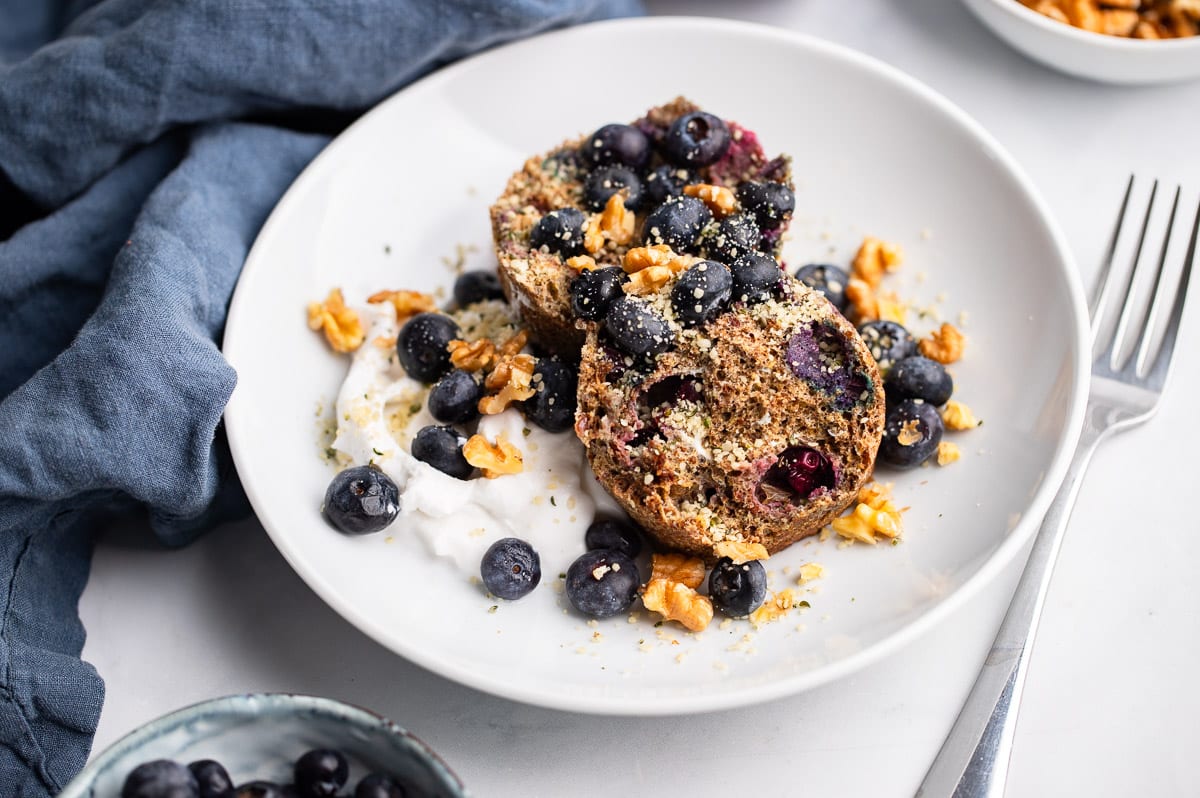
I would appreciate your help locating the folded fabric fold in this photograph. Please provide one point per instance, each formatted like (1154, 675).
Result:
(126, 135)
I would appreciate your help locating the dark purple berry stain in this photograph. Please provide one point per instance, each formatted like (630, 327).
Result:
(800, 473)
(817, 353)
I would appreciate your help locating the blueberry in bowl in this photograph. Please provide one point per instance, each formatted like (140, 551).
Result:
(911, 433)
(442, 448)
(614, 535)
(737, 589)
(247, 746)
(888, 341)
(677, 223)
(510, 568)
(476, 286)
(559, 231)
(602, 583)
(617, 144)
(918, 377)
(421, 345)
(606, 181)
(696, 139)
(361, 500)
(594, 291)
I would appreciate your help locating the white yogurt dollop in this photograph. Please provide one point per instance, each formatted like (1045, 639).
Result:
(549, 504)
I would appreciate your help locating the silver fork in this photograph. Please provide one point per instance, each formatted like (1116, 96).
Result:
(1125, 391)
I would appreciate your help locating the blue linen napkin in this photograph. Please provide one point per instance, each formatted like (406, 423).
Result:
(142, 145)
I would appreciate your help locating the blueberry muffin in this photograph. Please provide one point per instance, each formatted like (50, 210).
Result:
(683, 177)
(731, 403)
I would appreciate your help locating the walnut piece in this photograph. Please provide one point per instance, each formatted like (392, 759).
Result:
(616, 221)
(864, 305)
(775, 607)
(808, 572)
(648, 280)
(406, 303)
(342, 327)
(493, 460)
(719, 199)
(677, 568)
(508, 382)
(473, 356)
(874, 514)
(945, 345)
(740, 552)
(676, 601)
(580, 263)
(947, 453)
(957, 416)
(875, 257)
(640, 258)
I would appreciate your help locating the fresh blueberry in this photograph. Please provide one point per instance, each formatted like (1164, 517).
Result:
(510, 568)
(911, 433)
(696, 139)
(771, 203)
(213, 779)
(608, 180)
(476, 286)
(636, 328)
(612, 535)
(441, 448)
(701, 292)
(666, 182)
(455, 398)
(421, 345)
(594, 290)
(259, 789)
(737, 589)
(676, 223)
(602, 583)
(888, 342)
(755, 277)
(617, 144)
(361, 500)
(320, 773)
(160, 778)
(377, 785)
(559, 231)
(802, 471)
(918, 377)
(733, 237)
(552, 406)
(830, 280)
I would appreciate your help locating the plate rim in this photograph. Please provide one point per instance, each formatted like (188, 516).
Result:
(628, 705)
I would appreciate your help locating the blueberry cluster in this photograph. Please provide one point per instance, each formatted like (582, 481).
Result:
(651, 168)
(319, 773)
(915, 387)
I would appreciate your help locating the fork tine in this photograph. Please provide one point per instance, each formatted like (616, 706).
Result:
(1113, 349)
(1143, 343)
(1162, 361)
(1102, 280)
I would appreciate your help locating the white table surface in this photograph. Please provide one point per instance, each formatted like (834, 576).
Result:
(1112, 706)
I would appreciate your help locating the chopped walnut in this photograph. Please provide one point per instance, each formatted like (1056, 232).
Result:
(640, 258)
(648, 280)
(945, 345)
(341, 325)
(947, 453)
(493, 460)
(740, 552)
(513, 344)
(510, 381)
(808, 572)
(719, 199)
(874, 514)
(1142, 19)
(908, 434)
(957, 416)
(580, 263)
(406, 303)
(593, 236)
(676, 601)
(616, 221)
(892, 309)
(473, 356)
(677, 568)
(875, 257)
(864, 305)
(775, 607)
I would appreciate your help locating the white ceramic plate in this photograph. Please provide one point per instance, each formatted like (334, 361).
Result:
(875, 152)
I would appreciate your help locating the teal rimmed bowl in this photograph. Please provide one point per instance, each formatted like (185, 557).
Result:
(259, 736)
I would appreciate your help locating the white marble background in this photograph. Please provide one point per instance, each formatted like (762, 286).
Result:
(1112, 703)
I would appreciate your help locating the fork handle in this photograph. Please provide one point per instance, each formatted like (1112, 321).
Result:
(973, 761)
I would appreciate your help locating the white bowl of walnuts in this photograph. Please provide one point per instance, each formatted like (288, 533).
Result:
(1112, 41)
